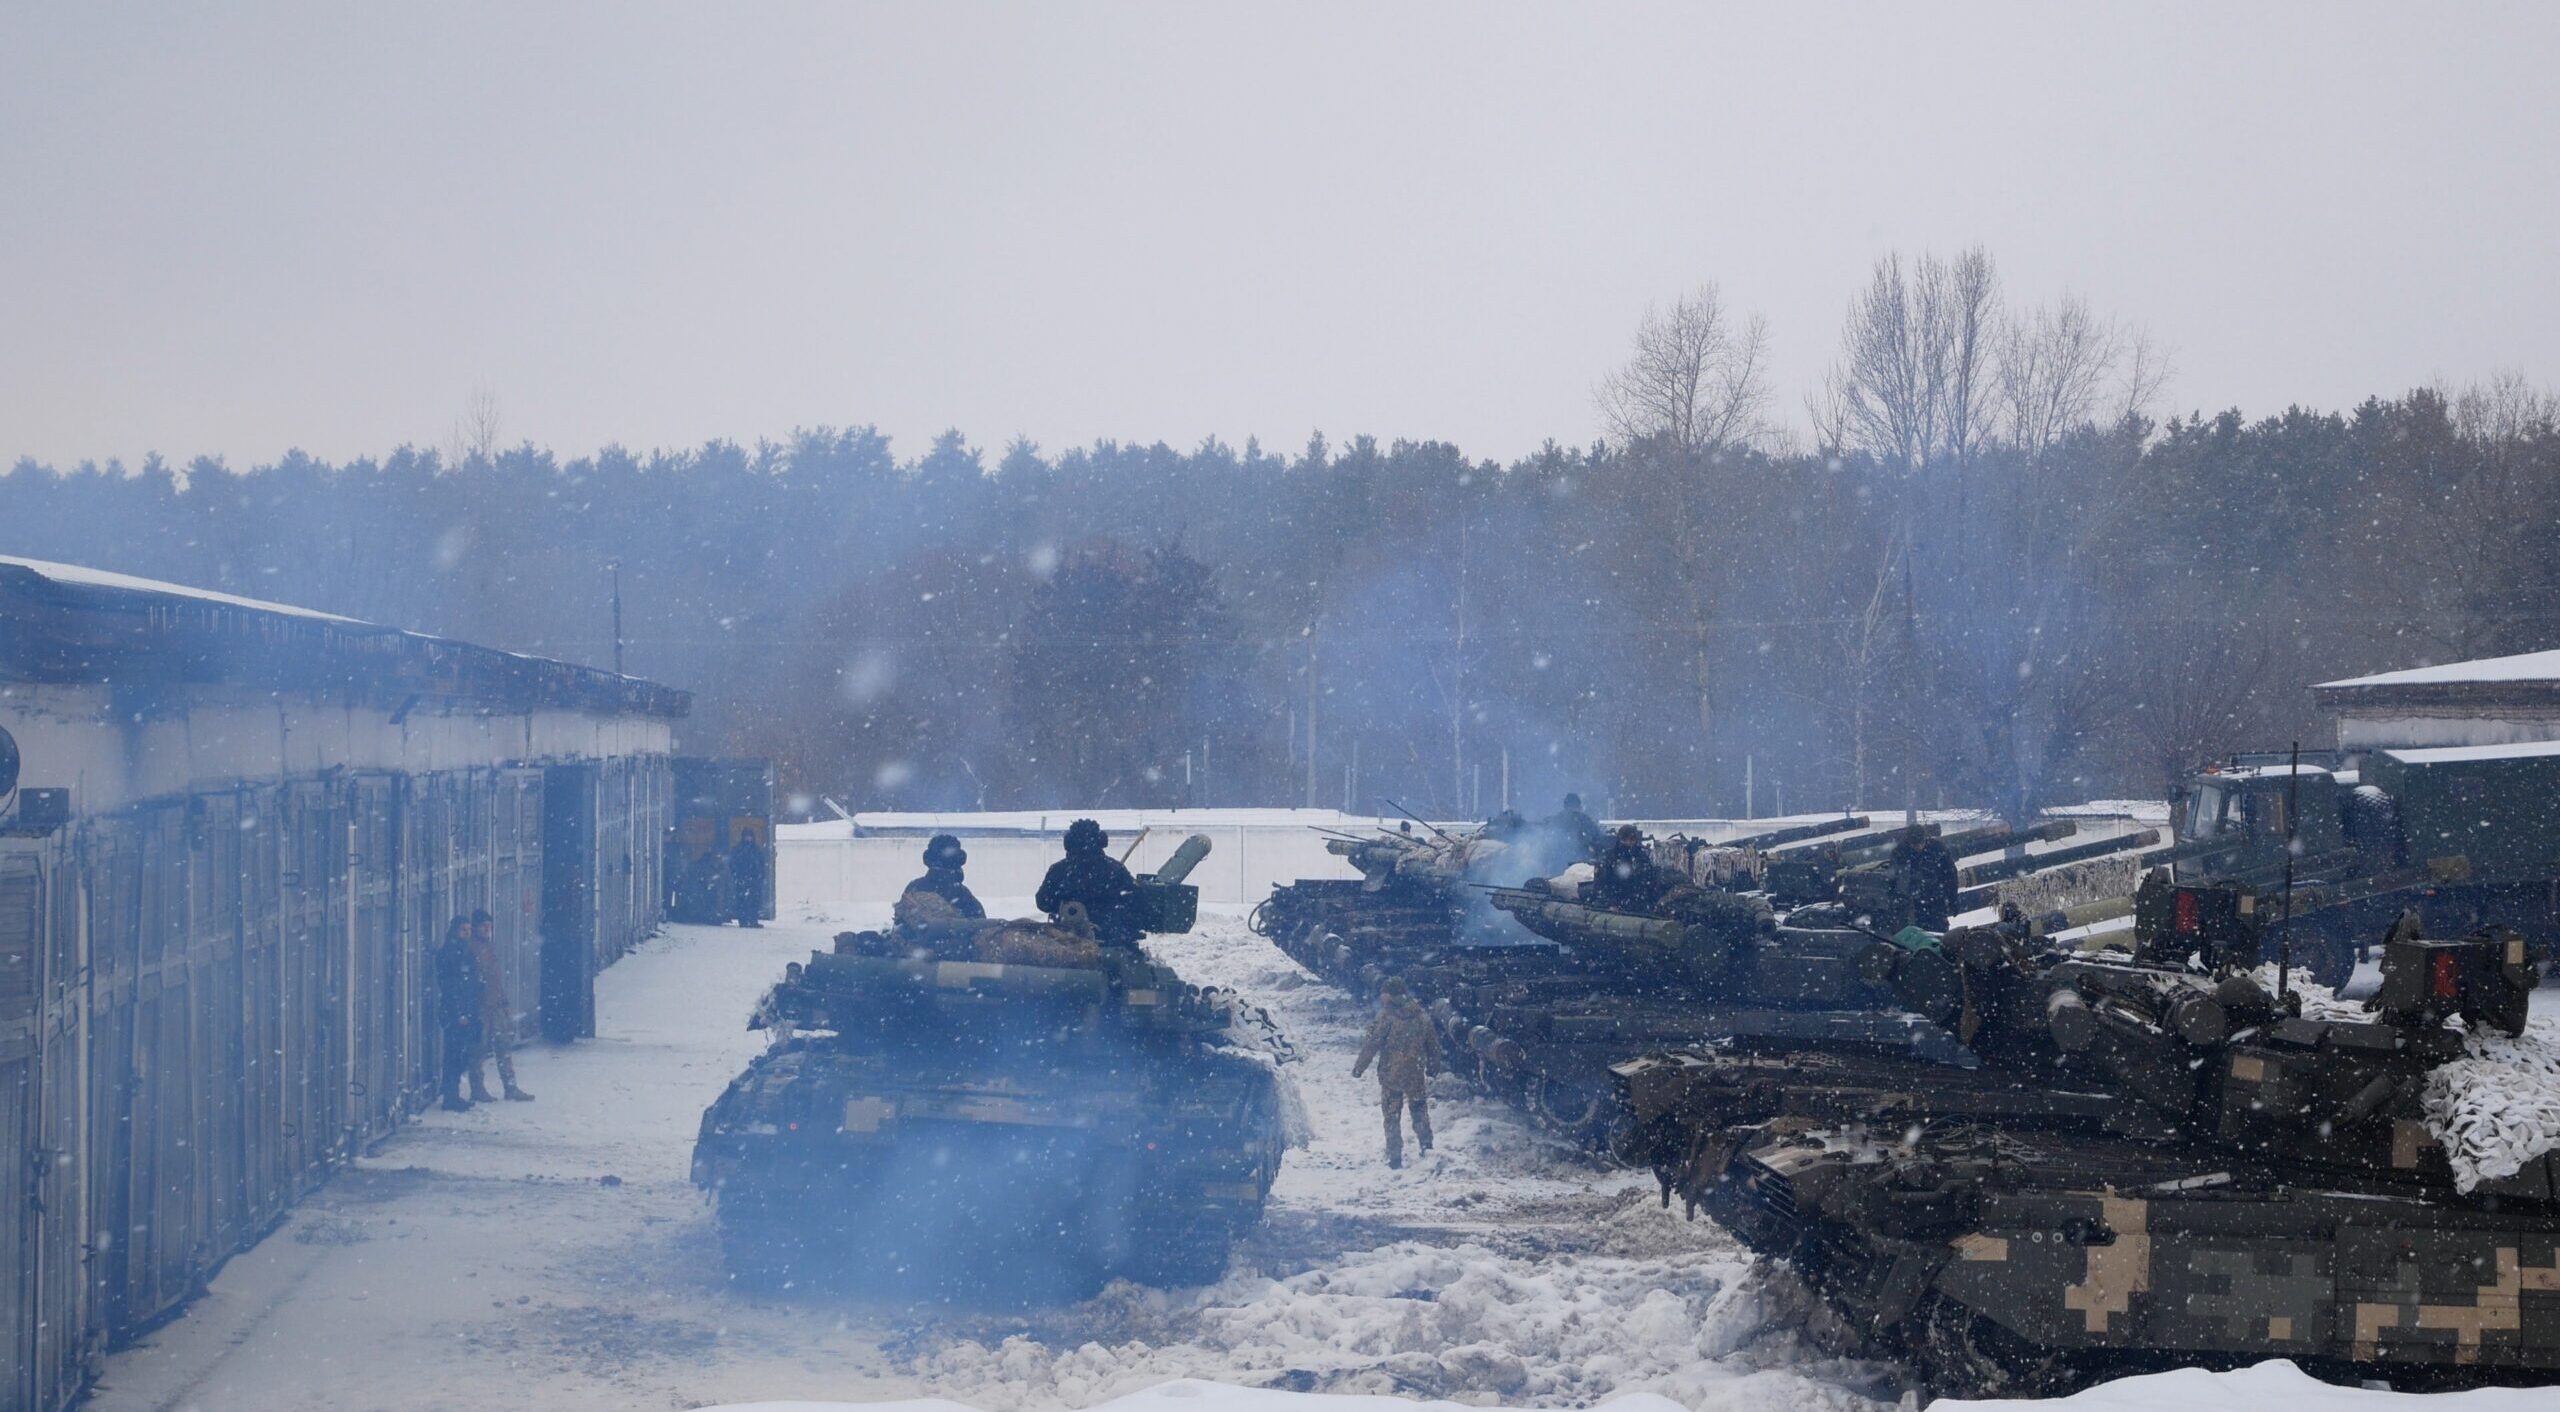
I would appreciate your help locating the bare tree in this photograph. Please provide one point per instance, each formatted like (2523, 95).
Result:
(2144, 369)
(1914, 382)
(1697, 378)
(2504, 413)
(474, 435)
(2054, 366)
(2470, 505)
(2060, 364)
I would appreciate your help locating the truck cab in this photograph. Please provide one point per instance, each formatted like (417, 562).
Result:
(2232, 822)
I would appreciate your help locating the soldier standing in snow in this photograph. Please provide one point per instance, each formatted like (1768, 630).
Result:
(1406, 1048)
(461, 1001)
(497, 1014)
(746, 881)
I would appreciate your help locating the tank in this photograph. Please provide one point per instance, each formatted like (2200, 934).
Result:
(998, 1108)
(2154, 1166)
(1703, 967)
(1409, 901)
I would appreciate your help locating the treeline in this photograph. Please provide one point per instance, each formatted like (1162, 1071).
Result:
(2020, 613)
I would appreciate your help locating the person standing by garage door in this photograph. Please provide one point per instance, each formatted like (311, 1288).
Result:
(498, 1013)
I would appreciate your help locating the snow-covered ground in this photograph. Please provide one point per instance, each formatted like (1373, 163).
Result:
(553, 1255)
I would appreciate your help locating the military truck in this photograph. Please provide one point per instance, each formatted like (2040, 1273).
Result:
(1001, 1107)
(2157, 1167)
(2466, 836)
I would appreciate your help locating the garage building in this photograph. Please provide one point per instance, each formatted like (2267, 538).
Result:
(237, 830)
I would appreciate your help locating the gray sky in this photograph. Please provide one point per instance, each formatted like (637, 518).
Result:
(235, 229)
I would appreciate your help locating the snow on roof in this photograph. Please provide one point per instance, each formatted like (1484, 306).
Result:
(2448, 754)
(77, 576)
(2522, 667)
(2259, 772)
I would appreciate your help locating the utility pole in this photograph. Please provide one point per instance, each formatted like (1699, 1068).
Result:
(1311, 715)
(1458, 685)
(1746, 789)
(617, 617)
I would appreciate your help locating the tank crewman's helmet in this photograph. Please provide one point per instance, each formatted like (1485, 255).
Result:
(944, 851)
(1086, 836)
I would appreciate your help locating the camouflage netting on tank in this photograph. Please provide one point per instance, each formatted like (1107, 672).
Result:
(2072, 884)
(2498, 1107)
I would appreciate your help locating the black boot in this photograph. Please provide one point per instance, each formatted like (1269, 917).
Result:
(456, 1103)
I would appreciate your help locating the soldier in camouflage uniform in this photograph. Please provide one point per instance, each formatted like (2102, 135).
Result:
(498, 1014)
(1406, 1048)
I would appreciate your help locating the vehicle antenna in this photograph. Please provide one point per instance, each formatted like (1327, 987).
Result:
(1417, 818)
(2292, 809)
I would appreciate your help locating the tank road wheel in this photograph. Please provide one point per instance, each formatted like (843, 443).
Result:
(764, 1254)
(2326, 953)
(1957, 1353)
(1577, 1112)
(1180, 1256)
(2333, 961)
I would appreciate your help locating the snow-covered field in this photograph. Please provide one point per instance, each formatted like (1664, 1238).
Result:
(553, 1255)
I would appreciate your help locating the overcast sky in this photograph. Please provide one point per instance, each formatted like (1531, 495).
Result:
(235, 229)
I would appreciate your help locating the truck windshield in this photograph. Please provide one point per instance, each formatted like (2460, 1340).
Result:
(2205, 819)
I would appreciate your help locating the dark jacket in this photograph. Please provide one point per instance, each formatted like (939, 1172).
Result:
(1625, 880)
(1577, 834)
(946, 884)
(461, 989)
(1928, 879)
(1097, 880)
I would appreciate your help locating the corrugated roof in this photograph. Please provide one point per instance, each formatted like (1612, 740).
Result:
(67, 623)
(2522, 667)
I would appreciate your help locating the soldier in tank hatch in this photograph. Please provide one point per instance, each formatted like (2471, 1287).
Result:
(943, 860)
(1093, 877)
(1625, 878)
(1579, 836)
(1928, 873)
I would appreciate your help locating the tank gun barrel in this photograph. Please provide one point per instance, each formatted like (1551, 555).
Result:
(1571, 922)
(1799, 834)
(1184, 859)
(2001, 869)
